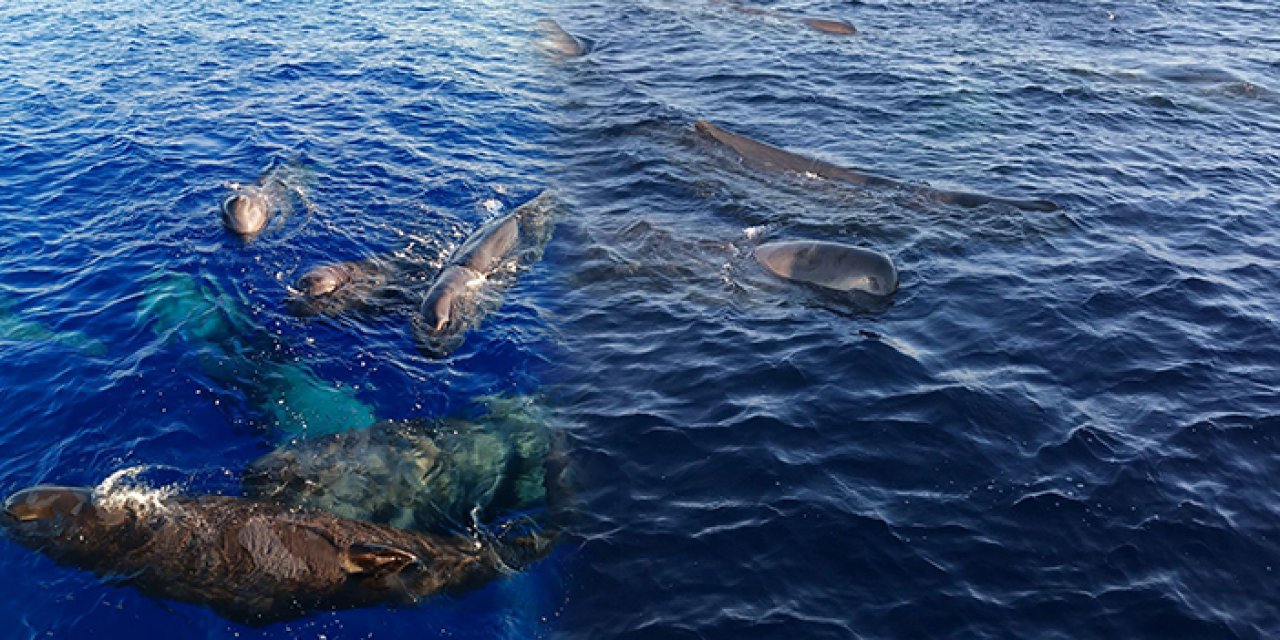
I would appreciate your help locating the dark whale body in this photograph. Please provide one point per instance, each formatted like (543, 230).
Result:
(338, 287)
(773, 158)
(452, 304)
(830, 265)
(252, 562)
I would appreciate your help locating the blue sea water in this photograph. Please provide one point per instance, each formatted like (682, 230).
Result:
(1064, 425)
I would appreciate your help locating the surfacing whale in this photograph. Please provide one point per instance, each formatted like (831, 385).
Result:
(470, 285)
(831, 265)
(770, 157)
(558, 41)
(253, 562)
(823, 25)
(338, 287)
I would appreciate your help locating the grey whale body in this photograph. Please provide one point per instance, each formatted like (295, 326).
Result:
(770, 157)
(830, 265)
(453, 304)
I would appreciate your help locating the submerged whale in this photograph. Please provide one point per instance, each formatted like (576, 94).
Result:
(254, 562)
(773, 158)
(238, 354)
(436, 476)
(558, 41)
(831, 265)
(456, 300)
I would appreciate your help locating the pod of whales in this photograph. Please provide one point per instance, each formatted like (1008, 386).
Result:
(253, 562)
(456, 300)
(831, 265)
(772, 158)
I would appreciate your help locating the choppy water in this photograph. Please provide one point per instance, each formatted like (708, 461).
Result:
(1063, 425)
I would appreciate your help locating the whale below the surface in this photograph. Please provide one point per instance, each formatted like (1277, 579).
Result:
(254, 562)
(464, 292)
(435, 476)
(831, 265)
(773, 158)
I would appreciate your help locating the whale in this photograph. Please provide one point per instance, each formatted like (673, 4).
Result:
(455, 301)
(250, 561)
(557, 41)
(772, 158)
(830, 265)
(823, 25)
(338, 287)
(424, 475)
(828, 26)
(236, 353)
(247, 211)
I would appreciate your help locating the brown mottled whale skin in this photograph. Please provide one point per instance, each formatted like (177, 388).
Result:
(773, 158)
(831, 265)
(338, 287)
(451, 305)
(253, 562)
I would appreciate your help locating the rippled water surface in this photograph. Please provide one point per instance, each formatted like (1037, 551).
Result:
(1063, 425)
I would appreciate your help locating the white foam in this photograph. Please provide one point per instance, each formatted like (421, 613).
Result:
(123, 491)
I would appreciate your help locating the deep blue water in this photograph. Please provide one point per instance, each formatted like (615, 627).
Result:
(1063, 425)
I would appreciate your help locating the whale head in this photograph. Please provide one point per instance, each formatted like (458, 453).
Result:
(324, 279)
(246, 213)
(63, 522)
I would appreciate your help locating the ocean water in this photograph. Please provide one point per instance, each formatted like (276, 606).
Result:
(1063, 425)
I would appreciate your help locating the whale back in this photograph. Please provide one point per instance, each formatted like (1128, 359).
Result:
(830, 265)
(489, 245)
(833, 27)
(769, 157)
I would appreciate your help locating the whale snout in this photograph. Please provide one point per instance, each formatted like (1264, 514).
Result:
(39, 514)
